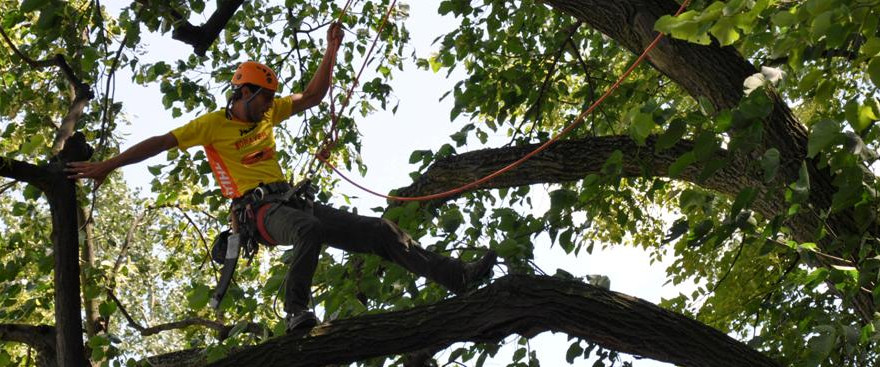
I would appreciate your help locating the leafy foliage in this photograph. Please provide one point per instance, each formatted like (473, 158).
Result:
(529, 70)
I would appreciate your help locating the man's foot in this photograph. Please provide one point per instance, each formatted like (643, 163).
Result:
(300, 322)
(477, 272)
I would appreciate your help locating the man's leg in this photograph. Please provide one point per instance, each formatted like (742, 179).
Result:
(290, 226)
(356, 233)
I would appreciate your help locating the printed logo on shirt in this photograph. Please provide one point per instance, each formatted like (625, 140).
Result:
(260, 155)
(250, 141)
(243, 132)
(221, 173)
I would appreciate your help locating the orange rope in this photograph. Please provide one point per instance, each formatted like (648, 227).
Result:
(563, 133)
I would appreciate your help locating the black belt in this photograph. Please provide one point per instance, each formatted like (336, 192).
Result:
(264, 193)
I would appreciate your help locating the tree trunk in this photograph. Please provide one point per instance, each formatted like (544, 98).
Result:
(61, 195)
(525, 305)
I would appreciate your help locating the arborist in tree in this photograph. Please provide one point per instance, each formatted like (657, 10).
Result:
(240, 145)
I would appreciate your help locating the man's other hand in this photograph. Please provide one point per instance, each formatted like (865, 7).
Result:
(97, 171)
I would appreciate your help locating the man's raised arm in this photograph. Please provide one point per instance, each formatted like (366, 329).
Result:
(98, 171)
(320, 83)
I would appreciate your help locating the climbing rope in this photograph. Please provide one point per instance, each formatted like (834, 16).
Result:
(323, 157)
(333, 135)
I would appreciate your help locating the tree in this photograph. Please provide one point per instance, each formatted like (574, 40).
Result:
(756, 124)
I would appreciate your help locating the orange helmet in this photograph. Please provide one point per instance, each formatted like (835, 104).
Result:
(252, 72)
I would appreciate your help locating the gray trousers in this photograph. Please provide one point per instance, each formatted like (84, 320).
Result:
(308, 232)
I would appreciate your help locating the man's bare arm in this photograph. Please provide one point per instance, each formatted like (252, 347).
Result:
(140, 151)
(320, 83)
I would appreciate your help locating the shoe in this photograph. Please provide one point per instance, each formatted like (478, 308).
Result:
(478, 272)
(300, 322)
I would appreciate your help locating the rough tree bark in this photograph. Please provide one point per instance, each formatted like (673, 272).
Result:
(525, 305)
(61, 195)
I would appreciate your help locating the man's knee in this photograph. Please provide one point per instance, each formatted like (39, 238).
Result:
(391, 232)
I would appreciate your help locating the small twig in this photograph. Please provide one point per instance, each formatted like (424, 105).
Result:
(220, 328)
(128, 239)
(124, 311)
(312, 29)
(536, 108)
(7, 186)
(201, 237)
(33, 63)
(735, 259)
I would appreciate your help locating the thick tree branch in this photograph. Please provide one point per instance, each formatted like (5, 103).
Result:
(81, 91)
(39, 337)
(25, 172)
(525, 305)
(572, 160)
(201, 37)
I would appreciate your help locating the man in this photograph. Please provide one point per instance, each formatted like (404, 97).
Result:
(240, 146)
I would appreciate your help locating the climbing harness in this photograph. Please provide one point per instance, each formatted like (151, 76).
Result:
(322, 156)
(248, 216)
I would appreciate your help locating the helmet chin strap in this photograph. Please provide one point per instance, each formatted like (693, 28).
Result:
(247, 104)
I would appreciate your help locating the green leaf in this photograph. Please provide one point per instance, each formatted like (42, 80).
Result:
(519, 354)
(435, 64)
(677, 167)
(871, 48)
(820, 346)
(198, 297)
(157, 169)
(47, 19)
(451, 220)
(31, 5)
(706, 106)
(671, 136)
(641, 126)
(691, 199)
(614, 164)
(216, 352)
(770, 164)
(90, 55)
(418, 155)
(821, 24)
(874, 70)
(802, 186)
(574, 351)
(725, 32)
(744, 199)
(784, 19)
(98, 341)
(32, 144)
(705, 146)
(823, 134)
(107, 308)
(562, 198)
(31, 192)
(859, 116)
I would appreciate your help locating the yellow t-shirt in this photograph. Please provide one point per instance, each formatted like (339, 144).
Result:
(241, 154)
